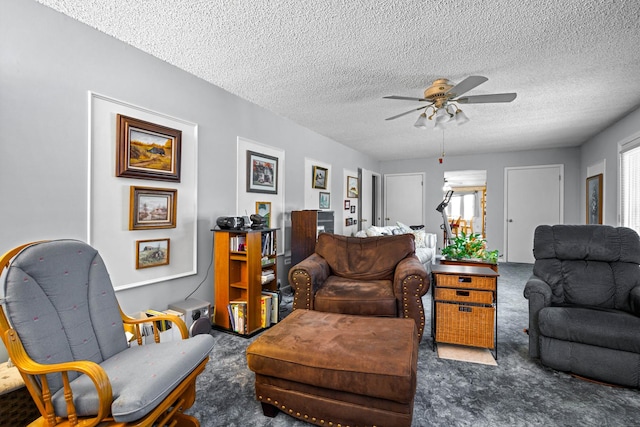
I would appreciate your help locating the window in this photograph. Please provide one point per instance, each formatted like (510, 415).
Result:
(630, 187)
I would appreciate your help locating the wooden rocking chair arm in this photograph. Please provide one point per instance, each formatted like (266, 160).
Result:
(28, 366)
(170, 317)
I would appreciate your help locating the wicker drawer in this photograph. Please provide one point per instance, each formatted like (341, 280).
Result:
(465, 325)
(466, 282)
(464, 295)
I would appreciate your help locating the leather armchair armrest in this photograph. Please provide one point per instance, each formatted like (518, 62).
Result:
(305, 278)
(410, 283)
(538, 292)
(634, 300)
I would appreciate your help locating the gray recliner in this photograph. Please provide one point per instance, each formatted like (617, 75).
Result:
(584, 301)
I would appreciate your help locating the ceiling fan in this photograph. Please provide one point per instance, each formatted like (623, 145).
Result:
(443, 96)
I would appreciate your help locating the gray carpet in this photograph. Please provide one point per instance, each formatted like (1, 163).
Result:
(517, 392)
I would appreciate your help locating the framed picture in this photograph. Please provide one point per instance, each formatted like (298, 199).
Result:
(262, 173)
(320, 177)
(594, 199)
(353, 209)
(152, 253)
(347, 204)
(325, 200)
(151, 208)
(264, 210)
(146, 150)
(352, 187)
(348, 222)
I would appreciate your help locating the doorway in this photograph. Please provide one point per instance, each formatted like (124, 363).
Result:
(467, 209)
(533, 196)
(370, 206)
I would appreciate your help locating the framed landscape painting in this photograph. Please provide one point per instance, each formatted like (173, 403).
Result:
(151, 208)
(262, 173)
(325, 200)
(352, 187)
(146, 150)
(152, 253)
(264, 210)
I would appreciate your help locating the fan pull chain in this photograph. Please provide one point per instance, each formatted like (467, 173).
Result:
(442, 146)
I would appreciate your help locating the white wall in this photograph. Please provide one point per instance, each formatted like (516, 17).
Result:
(49, 62)
(494, 163)
(603, 148)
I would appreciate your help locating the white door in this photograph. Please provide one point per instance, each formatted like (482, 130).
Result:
(534, 196)
(404, 199)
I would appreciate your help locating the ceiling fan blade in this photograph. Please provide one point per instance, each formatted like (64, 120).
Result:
(407, 112)
(405, 98)
(485, 99)
(466, 85)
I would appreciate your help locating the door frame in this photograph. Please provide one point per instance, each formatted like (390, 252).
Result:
(384, 207)
(506, 200)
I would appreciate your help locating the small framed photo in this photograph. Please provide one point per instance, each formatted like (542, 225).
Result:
(352, 187)
(262, 173)
(151, 208)
(594, 199)
(325, 200)
(152, 253)
(348, 222)
(320, 177)
(264, 210)
(353, 209)
(347, 204)
(146, 150)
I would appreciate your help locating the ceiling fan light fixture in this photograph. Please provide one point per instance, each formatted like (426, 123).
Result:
(421, 123)
(460, 117)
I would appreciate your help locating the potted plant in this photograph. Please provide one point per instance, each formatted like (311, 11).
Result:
(470, 247)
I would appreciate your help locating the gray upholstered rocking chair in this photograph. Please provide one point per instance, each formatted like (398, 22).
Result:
(64, 331)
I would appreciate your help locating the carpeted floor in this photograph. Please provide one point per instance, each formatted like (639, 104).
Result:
(517, 392)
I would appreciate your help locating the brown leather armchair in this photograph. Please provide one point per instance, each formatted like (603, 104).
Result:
(373, 276)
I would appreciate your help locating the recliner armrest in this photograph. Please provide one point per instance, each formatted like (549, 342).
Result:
(634, 300)
(306, 277)
(538, 292)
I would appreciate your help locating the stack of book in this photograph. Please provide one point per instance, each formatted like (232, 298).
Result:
(267, 276)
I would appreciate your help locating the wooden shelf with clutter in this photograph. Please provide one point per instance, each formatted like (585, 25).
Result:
(245, 262)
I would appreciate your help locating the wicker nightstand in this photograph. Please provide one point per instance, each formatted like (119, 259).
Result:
(464, 306)
(16, 406)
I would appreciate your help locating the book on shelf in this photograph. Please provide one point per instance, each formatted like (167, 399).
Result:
(239, 316)
(265, 310)
(162, 325)
(238, 243)
(275, 304)
(268, 243)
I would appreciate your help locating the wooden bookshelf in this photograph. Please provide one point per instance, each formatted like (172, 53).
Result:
(240, 257)
(305, 227)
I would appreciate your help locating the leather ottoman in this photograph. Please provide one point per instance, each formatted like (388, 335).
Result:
(337, 369)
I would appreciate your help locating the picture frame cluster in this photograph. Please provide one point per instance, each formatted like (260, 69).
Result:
(149, 151)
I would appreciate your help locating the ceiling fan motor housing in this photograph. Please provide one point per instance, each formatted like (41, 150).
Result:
(438, 89)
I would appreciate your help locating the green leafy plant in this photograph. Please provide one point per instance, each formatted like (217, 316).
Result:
(471, 246)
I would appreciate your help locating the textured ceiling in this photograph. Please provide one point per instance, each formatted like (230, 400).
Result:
(326, 65)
